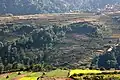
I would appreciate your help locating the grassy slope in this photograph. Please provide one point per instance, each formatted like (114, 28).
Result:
(55, 73)
(34, 75)
(12, 75)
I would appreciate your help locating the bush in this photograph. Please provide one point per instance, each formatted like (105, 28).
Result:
(54, 68)
(36, 68)
(86, 78)
(21, 67)
(1, 67)
(8, 67)
(115, 72)
(80, 74)
(48, 67)
(97, 78)
(7, 77)
(19, 73)
(74, 75)
(102, 68)
(90, 68)
(63, 68)
(44, 74)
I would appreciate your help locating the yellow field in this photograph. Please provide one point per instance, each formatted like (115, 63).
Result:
(79, 71)
(29, 78)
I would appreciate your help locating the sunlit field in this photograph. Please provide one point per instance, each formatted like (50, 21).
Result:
(29, 78)
(33, 75)
(79, 71)
(63, 74)
(93, 74)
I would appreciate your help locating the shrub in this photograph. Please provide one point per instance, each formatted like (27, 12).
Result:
(97, 78)
(75, 75)
(80, 74)
(86, 78)
(90, 68)
(102, 68)
(7, 77)
(115, 72)
(19, 73)
(54, 68)
(44, 73)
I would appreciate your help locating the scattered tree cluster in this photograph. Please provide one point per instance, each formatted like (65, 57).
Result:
(108, 60)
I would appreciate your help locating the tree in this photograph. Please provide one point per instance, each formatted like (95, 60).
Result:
(95, 62)
(48, 67)
(36, 67)
(7, 77)
(26, 60)
(0, 60)
(20, 66)
(1, 44)
(112, 63)
(1, 67)
(108, 60)
(15, 65)
(29, 43)
(8, 67)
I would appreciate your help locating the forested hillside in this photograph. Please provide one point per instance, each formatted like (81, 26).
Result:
(49, 41)
(50, 6)
(25, 45)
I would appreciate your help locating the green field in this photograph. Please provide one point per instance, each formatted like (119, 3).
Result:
(55, 74)
(35, 75)
(11, 75)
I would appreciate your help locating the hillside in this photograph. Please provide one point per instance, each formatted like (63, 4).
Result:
(51, 6)
(58, 40)
(46, 41)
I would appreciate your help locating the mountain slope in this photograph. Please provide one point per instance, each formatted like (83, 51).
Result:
(49, 6)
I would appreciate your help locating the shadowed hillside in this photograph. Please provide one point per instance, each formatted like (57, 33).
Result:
(51, 6)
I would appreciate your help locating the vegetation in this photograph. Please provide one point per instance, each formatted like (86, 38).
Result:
(63, 74)
(51, 6)
(36, 47)
(108, 60)
(78, 71)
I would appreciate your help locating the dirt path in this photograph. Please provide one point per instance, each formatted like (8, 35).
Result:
(48, 78)
(19, 77)
(4, 75)
(62, 79)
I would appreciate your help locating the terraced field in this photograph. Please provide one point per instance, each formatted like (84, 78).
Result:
(50, 19)
(56, 75)
(33, 75)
